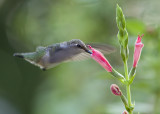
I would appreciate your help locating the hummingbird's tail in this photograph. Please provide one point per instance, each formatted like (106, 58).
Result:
(20, 55)
(32, 57)
(28, 56)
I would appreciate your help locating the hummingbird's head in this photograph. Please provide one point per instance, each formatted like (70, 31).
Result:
(80, 45)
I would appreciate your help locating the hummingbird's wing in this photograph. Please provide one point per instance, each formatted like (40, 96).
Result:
(104, 48)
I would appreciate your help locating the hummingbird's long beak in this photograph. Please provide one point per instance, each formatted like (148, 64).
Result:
(88, 51)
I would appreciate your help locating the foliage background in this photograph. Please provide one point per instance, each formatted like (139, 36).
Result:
(76, 87)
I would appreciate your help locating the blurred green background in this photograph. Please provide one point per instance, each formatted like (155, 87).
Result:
(76, 87)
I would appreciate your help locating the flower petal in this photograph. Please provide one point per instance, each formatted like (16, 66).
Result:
(137, 52)
(99, 57)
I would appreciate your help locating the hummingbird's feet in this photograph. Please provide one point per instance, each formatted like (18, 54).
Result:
(44, 69)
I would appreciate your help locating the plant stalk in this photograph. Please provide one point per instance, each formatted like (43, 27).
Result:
(128, 87)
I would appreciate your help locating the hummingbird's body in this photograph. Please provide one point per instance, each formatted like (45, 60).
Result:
(47, 57)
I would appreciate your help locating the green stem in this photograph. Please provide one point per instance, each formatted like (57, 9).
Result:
(128, 87)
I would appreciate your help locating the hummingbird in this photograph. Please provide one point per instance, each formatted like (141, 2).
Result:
(52, 55)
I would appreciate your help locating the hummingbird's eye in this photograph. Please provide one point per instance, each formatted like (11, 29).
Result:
(79, 46)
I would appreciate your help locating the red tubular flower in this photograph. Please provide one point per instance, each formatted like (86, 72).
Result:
(115, 90)
(137, 51)
(99, 57)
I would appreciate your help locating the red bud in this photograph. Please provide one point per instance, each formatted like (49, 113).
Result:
(115, 90)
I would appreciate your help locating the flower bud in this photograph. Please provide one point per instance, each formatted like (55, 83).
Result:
(125, 112)
(121, 23)
(137, 51)
(122, 33)
(115, 90)
(99, 57)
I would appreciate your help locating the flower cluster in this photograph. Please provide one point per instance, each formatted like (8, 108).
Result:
(99, 57)
(124, 51)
